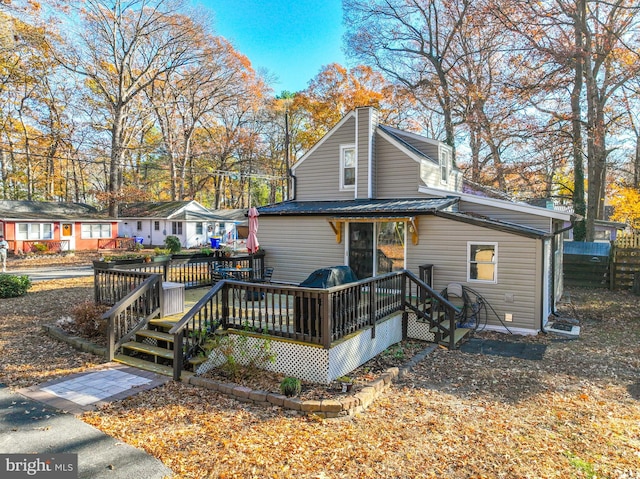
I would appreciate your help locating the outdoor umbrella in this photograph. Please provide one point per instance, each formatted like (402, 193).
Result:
(252, 239)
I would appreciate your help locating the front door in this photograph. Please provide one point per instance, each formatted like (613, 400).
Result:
(66, 235)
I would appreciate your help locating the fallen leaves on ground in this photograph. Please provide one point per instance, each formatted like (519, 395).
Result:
(574, 414)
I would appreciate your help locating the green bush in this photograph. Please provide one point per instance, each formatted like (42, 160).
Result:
(12, 286)
(290, 386)
(172, 243)
(40, 247)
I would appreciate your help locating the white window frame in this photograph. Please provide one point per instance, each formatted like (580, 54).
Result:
(34, 231)
(96, 230)
(493, 262)
(176, 228)
(445, 165)
(156, 226)
(139, 225)
(199, 227)
(343, 150)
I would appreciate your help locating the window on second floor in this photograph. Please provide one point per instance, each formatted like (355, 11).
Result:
(347, 167)
(176, 227)
(445, 165)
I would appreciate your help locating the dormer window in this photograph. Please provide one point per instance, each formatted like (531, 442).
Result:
(445, 164)
(347, 167)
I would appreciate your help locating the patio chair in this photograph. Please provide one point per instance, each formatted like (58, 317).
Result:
(216, 274)
(268, 272)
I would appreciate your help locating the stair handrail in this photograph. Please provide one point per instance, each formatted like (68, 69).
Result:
(179, 328)
(441, 304)
(152, 309)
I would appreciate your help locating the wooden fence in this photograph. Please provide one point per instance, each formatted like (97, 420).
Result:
(625, 262)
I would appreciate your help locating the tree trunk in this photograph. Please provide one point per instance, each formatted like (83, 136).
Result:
(579, 205)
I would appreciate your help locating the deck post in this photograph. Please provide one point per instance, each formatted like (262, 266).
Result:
(177, 355)
(327, 320)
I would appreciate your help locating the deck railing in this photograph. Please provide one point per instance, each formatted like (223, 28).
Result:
(309, 315)
(117, 243)
(45, 246)
(133, 312)
(192, 271)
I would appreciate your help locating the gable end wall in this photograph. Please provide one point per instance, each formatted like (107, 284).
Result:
(318, 177)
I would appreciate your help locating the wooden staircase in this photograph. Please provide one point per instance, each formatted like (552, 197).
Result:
(440, 326)
(152, 349)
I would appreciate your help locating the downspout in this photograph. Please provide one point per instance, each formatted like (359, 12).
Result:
(553, 266)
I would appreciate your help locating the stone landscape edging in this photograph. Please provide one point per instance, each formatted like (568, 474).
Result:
(325, 408)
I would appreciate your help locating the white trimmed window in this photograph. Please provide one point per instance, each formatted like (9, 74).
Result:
(34, 231)
(347, 167)
(156, 226)
(482, 264)
(445, 164)
(96, 230)
(176, 227)
(199, 228)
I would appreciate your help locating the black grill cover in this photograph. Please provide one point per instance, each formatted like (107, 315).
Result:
(328, 277)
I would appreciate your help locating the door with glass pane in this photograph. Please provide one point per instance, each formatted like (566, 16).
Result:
(361, 249)
(376, 248)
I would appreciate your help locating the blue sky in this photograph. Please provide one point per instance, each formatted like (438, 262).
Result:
(291, 39)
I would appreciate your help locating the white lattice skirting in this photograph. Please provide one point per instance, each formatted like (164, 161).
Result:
(320, 365)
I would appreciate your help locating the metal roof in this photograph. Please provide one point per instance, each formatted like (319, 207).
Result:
(498, 225)
(48, 210)
(350, 208)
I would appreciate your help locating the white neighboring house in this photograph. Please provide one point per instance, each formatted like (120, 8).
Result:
(191, 222)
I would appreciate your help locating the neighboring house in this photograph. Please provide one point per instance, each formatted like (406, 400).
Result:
(605, 230)
(381, 199)
(54, 226)
(191, 222)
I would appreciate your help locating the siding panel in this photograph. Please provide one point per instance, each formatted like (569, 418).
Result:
(309, 244)
(443, 243)
(318, 177)
(397, 174)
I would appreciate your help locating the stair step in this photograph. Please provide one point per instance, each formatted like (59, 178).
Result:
(444, 324)
(157, 335)
(146, 365)
(458, 335)
(163, 323)
(148, 349)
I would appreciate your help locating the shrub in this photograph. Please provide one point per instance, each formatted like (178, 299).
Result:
(87, 319)
(40, 247)
(172, 243)
(12, 286)
(290, 386)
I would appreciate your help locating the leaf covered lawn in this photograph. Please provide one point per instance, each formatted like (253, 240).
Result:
(574, 414)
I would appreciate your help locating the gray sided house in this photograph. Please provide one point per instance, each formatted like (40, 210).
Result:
(381, 199)
(191, 222)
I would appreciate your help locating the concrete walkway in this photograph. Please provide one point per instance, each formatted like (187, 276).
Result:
(40, 419)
